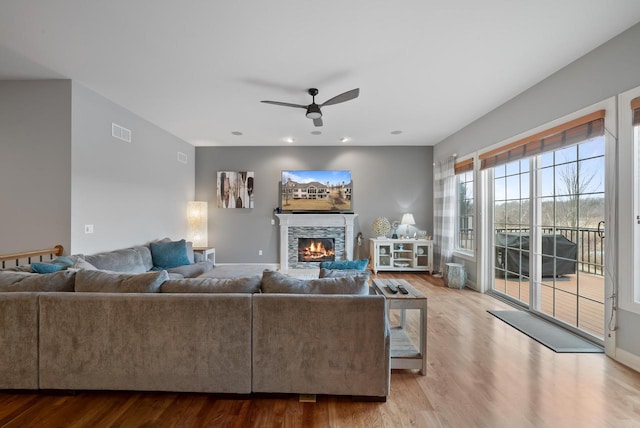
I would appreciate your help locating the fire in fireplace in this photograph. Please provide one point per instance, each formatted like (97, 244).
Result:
(316, 249)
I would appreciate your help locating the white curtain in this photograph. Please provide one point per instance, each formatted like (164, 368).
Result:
(444, 212)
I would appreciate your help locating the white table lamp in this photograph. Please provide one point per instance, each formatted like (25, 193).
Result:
(408, 220)
(197, 218)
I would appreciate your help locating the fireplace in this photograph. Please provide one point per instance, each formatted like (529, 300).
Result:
(336, 227)
(316, 249)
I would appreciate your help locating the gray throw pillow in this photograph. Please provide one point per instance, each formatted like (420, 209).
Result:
(276, 282)
(24, 281)
(125, 260)
(339, 273)
(80, 263)
(96, 281)
(212, 285)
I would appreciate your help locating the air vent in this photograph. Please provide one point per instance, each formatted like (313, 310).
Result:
(182, 157)
(120, 132)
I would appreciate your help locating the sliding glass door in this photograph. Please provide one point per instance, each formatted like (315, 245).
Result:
(548, 233)
(570, 203)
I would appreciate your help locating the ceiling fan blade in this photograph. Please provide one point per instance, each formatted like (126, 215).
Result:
(317, 122)
(278, 103)
(349, 95)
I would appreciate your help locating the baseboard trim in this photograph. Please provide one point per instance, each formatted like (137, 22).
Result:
(628, 359)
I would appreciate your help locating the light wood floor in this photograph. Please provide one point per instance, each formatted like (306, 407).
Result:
(480, 373)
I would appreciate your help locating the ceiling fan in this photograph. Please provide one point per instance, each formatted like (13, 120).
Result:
(313, 109)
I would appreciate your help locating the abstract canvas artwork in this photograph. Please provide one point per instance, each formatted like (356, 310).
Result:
(235, 189)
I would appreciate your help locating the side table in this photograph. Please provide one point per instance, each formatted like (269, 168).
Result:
(207, 252)
(404, 354)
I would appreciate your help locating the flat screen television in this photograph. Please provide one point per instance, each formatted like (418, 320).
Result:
(316, 191)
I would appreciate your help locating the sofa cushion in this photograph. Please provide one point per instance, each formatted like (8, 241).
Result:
(242, 270)
(145, 255)
(212, 285)
(193, 270)
(26, 281)
(276, 282)
(167, 255)
(124, 260)
(346, 264)
(97, 281)
(339, 273)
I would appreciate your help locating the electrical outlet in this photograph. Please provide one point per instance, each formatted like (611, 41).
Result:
(88, 228)
(259, 252)
(307, 398)
(273, 222)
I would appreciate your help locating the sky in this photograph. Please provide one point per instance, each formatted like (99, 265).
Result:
(307, 176)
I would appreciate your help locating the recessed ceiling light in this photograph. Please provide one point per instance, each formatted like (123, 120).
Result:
(345, 139)
(316, 132)
(236, 132)
(289, 140)
(396, 132)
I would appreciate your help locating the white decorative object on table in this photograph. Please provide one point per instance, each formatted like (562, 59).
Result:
(381, 227)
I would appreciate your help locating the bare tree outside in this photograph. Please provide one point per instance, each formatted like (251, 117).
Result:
(572, 208)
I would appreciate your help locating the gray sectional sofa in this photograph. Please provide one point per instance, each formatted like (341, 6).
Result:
(156, 332)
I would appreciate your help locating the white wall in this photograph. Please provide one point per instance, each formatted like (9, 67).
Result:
(35, 164)
(605, 72)
(130, 192)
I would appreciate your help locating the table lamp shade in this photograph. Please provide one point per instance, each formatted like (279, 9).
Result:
(407, 218)
(197, 218)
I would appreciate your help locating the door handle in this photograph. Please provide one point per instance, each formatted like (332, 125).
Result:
(601, 229)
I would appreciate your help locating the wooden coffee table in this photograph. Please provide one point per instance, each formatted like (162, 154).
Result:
(404, 354)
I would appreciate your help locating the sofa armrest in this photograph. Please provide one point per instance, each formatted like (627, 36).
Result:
(19, 340)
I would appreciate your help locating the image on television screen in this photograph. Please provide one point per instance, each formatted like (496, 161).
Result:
(316, 191)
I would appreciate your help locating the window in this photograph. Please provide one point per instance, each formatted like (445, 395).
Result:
(465, 207)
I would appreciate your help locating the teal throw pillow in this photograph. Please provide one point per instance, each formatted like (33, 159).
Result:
(346, 264)
(167, 255)
(61, 263)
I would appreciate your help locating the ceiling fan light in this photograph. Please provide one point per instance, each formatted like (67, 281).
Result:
(313, 112)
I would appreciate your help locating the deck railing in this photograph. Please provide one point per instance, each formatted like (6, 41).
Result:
(590, 244)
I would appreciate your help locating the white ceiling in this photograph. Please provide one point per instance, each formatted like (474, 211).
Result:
(198, 69)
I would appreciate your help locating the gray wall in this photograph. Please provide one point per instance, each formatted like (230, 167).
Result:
(60, 169)
(130, 192)
(35, 164)
(605, 72)
(387, 181)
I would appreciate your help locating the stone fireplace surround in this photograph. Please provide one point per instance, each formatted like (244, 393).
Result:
(294, 226)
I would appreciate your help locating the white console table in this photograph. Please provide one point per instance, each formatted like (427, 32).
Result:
(401, 254)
